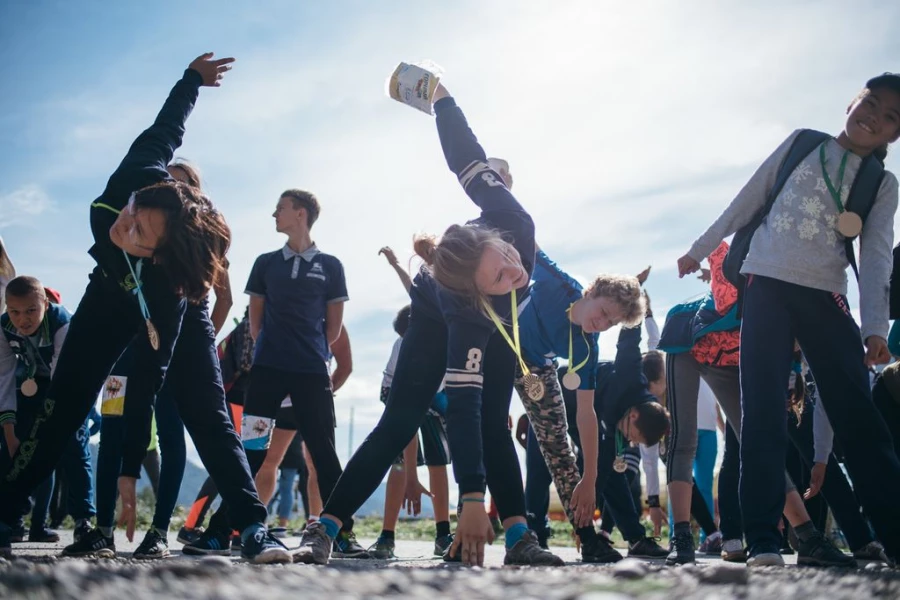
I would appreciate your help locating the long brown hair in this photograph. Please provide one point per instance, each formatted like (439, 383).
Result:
(192, 249)
(454, 258)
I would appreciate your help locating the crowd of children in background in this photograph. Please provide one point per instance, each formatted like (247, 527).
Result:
(769, 358)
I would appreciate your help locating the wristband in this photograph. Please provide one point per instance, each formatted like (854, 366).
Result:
(653, 501)
(481, 500)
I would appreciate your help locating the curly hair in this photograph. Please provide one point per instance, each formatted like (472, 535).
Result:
(192, 249)
(625, 291)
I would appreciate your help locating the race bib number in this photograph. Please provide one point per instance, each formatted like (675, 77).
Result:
(256, 432)
(112, 403)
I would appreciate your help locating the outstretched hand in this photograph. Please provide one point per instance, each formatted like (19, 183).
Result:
(643, 275)
(211, 71)
(389, 255)
(687, 265)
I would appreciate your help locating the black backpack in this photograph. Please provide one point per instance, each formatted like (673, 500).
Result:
(861, 199)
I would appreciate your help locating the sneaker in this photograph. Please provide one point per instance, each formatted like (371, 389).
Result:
(43, 536)
(442, 543)
(265, 549)
(647, 547)
(765, 556)
(346, 546)
(93, 543)
(600, 551)
(873, 551)
(17, 534)
(446, 552)
(733, 551)
(153, 547)
(382, 549)
(315, 546)
(527, 551)
(209, 543)
(5, 543)
(681, 550)
(82, 528)
(819, 551)
(712, 545)
(189, 536)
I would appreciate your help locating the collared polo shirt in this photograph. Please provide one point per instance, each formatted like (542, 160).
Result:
(297, 288)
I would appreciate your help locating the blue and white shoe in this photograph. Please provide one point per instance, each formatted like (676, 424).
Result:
(262, 548)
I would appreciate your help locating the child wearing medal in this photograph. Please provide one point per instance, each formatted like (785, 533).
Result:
(473, 278)
(34, 331)
(796, 286)
(560, 318)
(160, 246)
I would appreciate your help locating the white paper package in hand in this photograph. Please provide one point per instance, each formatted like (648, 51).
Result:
(414, 84)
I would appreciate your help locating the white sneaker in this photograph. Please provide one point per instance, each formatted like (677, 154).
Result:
(766, 559)
(733, 551)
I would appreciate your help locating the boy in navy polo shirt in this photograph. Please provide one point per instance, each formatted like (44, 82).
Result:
(297, 296)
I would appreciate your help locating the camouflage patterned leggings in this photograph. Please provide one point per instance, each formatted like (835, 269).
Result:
(548, 420)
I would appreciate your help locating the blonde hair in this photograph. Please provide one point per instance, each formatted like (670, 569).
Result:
(190, 170)
(454, 258)
(625, 291)
(7, 269)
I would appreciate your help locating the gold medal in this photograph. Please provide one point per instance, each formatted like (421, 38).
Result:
(619, 465)
(29, 387)
(571, 380)
(153, 335)
(849, 224)
(534, 387)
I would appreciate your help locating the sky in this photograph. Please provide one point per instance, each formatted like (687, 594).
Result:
(628, 126)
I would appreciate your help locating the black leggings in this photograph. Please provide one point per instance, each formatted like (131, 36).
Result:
(420, 368)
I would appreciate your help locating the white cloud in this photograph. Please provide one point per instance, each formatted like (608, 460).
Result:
(22, 205)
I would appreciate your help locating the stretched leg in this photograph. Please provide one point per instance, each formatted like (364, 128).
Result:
(173, 458)
(76, 463)
(537, 488)
(265, 477)
(704, 463)
(286, 495)
(830, 341)
(316, 506)
(151, 467)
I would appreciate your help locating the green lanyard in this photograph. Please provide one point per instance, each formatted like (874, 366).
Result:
(620, 443)
(571, 380)
(835, 193)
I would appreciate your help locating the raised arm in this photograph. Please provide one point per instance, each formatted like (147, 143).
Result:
(467, 160)
(152, 151)
(401, 272)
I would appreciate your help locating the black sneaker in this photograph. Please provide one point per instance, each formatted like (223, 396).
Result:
(681, 550)
(599, 550)
(93, 543)
(442, 543)
(43, 536)
(210, 543)
(154, 546)
(346, 546)
(647, 548)
(446, 553)
(528, 552)
(17, 534)
(5, 543)
(82, 528)
(189, 536)
(382, 549)
(818, 551)
(265, 549)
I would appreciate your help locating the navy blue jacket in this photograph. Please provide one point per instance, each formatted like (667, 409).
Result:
(468, 329)
(144, 165)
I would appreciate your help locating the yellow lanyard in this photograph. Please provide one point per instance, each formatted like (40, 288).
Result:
(534, 387)
(514, 340)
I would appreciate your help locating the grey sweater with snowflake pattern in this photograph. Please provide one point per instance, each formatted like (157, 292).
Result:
(798, 242)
